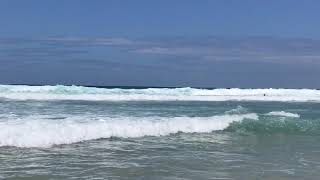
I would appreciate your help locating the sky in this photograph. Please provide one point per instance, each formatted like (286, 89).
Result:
(194, 43)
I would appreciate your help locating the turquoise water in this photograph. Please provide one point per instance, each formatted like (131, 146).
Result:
(58, 137)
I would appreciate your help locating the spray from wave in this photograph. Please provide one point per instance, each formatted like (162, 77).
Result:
(59, 92)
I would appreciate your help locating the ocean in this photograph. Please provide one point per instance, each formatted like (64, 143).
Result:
(76, 132)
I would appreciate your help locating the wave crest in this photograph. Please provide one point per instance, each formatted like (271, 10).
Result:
(44, 133)
(283, 113)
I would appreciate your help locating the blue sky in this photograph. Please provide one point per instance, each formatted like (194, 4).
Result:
(213, 43)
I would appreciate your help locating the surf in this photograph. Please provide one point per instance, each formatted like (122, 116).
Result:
(60, 92)
(41, 131)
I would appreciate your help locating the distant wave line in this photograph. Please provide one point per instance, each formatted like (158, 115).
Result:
(61, 92)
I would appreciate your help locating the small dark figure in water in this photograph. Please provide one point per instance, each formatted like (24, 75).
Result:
(264, 94)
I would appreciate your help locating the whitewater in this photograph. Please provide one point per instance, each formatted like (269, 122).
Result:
(45, 133)
(60, 92)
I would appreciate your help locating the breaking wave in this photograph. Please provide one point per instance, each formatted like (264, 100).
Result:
(37, 131)
(60, 92)
(46, 131)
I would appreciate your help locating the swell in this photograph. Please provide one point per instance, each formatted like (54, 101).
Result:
(60, 92)
(281, 125)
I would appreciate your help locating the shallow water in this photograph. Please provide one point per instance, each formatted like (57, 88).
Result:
(181, 156)
(80, 139)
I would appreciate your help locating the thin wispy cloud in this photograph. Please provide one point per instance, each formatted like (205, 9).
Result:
(245, 49)
(113, 41)
(251, 49)
(107, 41)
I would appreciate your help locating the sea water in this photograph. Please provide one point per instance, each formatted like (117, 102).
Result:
(75, 132)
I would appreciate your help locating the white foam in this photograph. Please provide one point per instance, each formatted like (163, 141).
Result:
(37, 131)
(283, 113)
(238, 110)
(23, 92)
